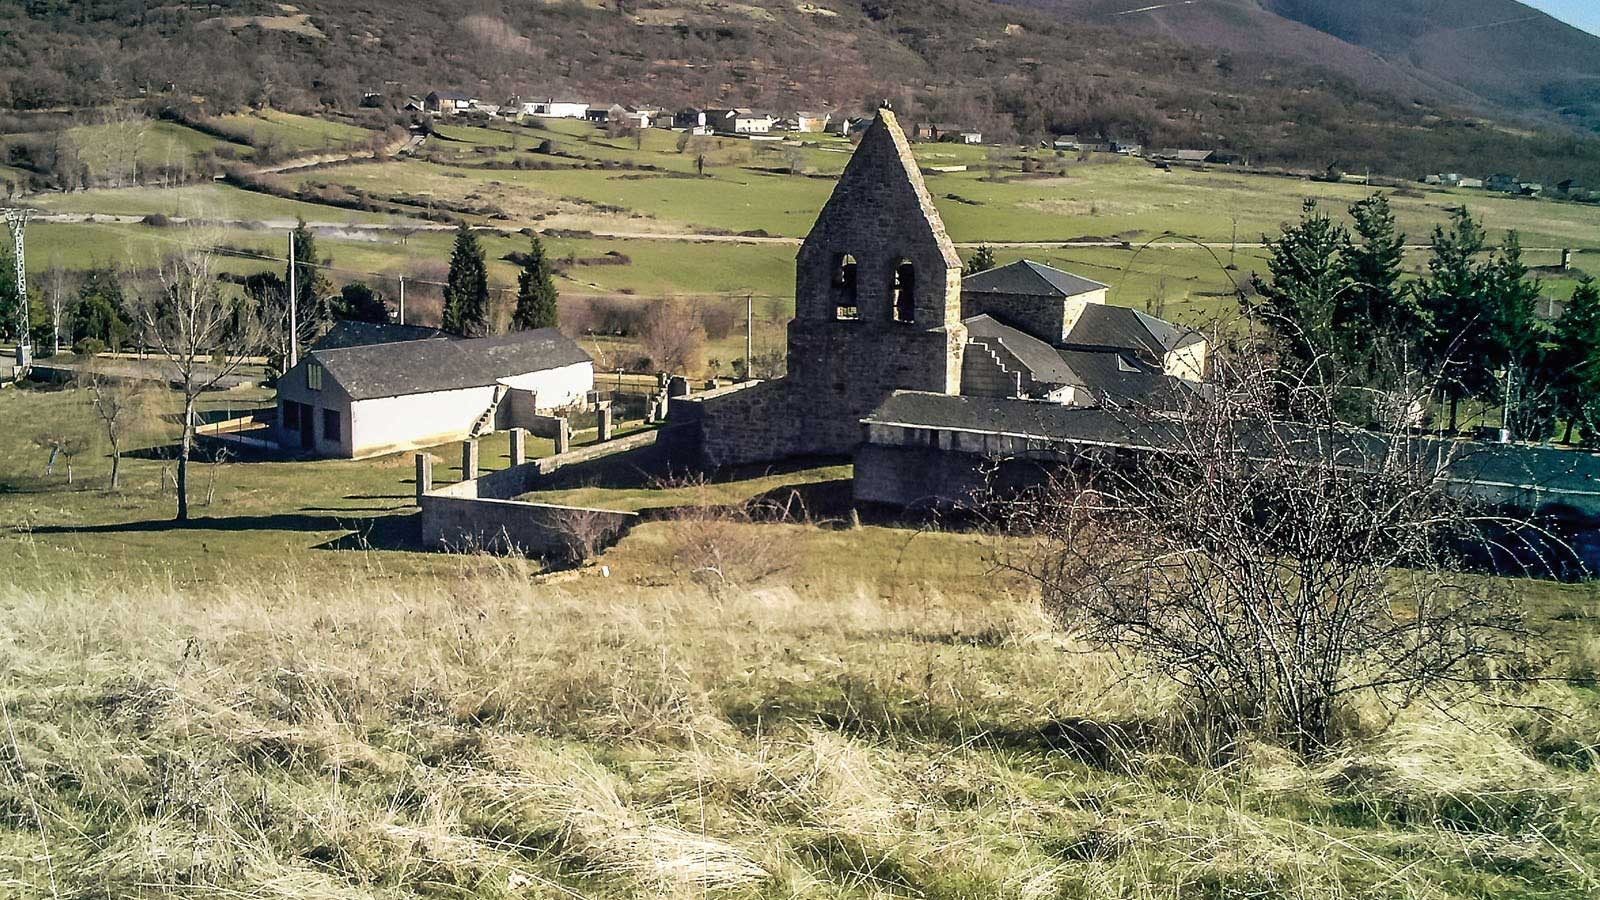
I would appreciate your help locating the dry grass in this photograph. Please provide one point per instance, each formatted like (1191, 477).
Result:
(488, 735)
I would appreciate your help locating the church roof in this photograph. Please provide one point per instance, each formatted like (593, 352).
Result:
(1031, 279)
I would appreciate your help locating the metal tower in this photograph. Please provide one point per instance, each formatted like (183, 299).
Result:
(17, 221)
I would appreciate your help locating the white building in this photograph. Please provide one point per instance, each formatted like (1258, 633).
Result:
(739, 120)
(366, 400)
(555, 109)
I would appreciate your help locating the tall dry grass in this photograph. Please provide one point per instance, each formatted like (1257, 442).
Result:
(489, 735)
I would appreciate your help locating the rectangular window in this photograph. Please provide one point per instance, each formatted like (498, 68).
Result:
(314, 376)
(330, 425)
(291, 415)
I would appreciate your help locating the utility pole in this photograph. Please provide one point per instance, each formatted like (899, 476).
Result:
(749, 336)
(294, 301)
(17, 221)
(402, 299)
(1233, 246)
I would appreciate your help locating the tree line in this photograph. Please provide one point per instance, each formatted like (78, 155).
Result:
(1467, 330)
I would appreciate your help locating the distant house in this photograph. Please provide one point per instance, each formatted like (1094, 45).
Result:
(638, 117)
(811, 122)
(691, 120)
(1126, 148)
(1471, 183)
(739, 120)
(415, 104)
(449, 103)
(599, 115)
(948, 132)
(554, 109)
(1569, 187)
(1501, 183)
(368, 399)
(1530, 188)
(371, 99)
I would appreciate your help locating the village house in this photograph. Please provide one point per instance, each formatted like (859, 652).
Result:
(811, 122)
(356, 400)
(555, 109)
(449, 103)
(739, 120)
(1502, 183)
(636, 117)
(691, 120)
(947, 132)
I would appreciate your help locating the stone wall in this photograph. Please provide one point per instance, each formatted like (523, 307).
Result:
(456, 518)
(1043, 317)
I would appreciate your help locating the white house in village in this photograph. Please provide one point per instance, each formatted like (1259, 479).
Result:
(359, 401)
(555, 109)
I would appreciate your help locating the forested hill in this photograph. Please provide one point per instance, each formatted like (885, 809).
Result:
(1076, 67)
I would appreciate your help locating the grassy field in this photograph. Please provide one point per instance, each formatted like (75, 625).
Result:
(290, 133)
(272, 702)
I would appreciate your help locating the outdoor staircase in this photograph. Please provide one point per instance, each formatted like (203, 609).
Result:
(984, 371)
(485, 422)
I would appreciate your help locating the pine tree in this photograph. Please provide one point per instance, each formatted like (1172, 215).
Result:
(982, 261)
(1452, 300)
(1300, 300)
(466, 295)
(1576, 360)
(360, 303)
(1378, 322)
(312, 300)
(10, 311)
(1519, 345)
(536, 291)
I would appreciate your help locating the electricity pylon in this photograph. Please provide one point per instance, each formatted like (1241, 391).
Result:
(17, 221)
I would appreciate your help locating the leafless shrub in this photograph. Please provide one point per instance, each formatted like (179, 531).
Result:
(674, 337)
(1273, 560)
(122, 407)
(721, 545)
(585, 532)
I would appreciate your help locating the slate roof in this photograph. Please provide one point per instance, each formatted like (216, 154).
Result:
(1044, 362)
(420, 367)
(348, 333)
(1030, 279)
(1122, 328)
(1550, 470)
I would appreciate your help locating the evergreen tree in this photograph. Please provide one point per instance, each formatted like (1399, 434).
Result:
(99, 311)
(466, 295)
(1300, 300)
(1519, 345)
(1576, 362)
(982, 261)
(1459, 336)
(536, 291)
(361, 303)
(1378, 322)
(9, 307)
(313, 293)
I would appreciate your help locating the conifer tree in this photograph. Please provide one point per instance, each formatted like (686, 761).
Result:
(1379, 323)
(1519, 345)
(982, 261)
(466, 295)
(313, 302)
(1576, 360)
(536, 291)
(1452, 299)
(1300, 300)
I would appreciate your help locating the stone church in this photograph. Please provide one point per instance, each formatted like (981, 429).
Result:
(881, 311)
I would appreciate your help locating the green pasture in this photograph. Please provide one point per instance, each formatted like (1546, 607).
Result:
(290, 132)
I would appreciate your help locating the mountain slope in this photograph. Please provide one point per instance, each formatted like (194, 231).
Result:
(1498, 55)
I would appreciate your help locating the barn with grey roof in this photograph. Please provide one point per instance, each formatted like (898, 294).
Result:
(364, 399)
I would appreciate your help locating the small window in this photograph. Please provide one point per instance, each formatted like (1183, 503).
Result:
(314, 376)
(330, 425)
(903, 292)
(845, 306)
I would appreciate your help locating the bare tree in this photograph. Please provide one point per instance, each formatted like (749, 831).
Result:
(202, 332)
(56, 297)
(674, 336)
(1271, 559)
(120, 404)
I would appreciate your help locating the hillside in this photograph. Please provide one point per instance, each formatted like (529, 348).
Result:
(1498, 55)
(1234, 75)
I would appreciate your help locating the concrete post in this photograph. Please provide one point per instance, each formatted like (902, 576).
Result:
(424, 475)
(519, 446)
(469, 459)
(605, 423)
(1566, 260)
(563, 435)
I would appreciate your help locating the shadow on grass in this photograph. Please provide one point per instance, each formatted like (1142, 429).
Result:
(382, 532)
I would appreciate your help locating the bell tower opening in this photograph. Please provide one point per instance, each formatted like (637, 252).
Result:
(903, 292)
(846, 305)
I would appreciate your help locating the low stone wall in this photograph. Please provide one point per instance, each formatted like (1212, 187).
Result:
(456, 518)
(483, 513)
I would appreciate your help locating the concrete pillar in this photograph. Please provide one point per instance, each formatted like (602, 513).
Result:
(563, 435)
(605, 423)
(519, 446)
(469, 459)
(424, 475)
(1566, 260)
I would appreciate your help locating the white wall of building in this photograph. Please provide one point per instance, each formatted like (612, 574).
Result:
(556, 388)
(386, 424)
(557, 109)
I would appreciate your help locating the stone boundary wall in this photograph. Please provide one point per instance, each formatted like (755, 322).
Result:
(482, 513)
